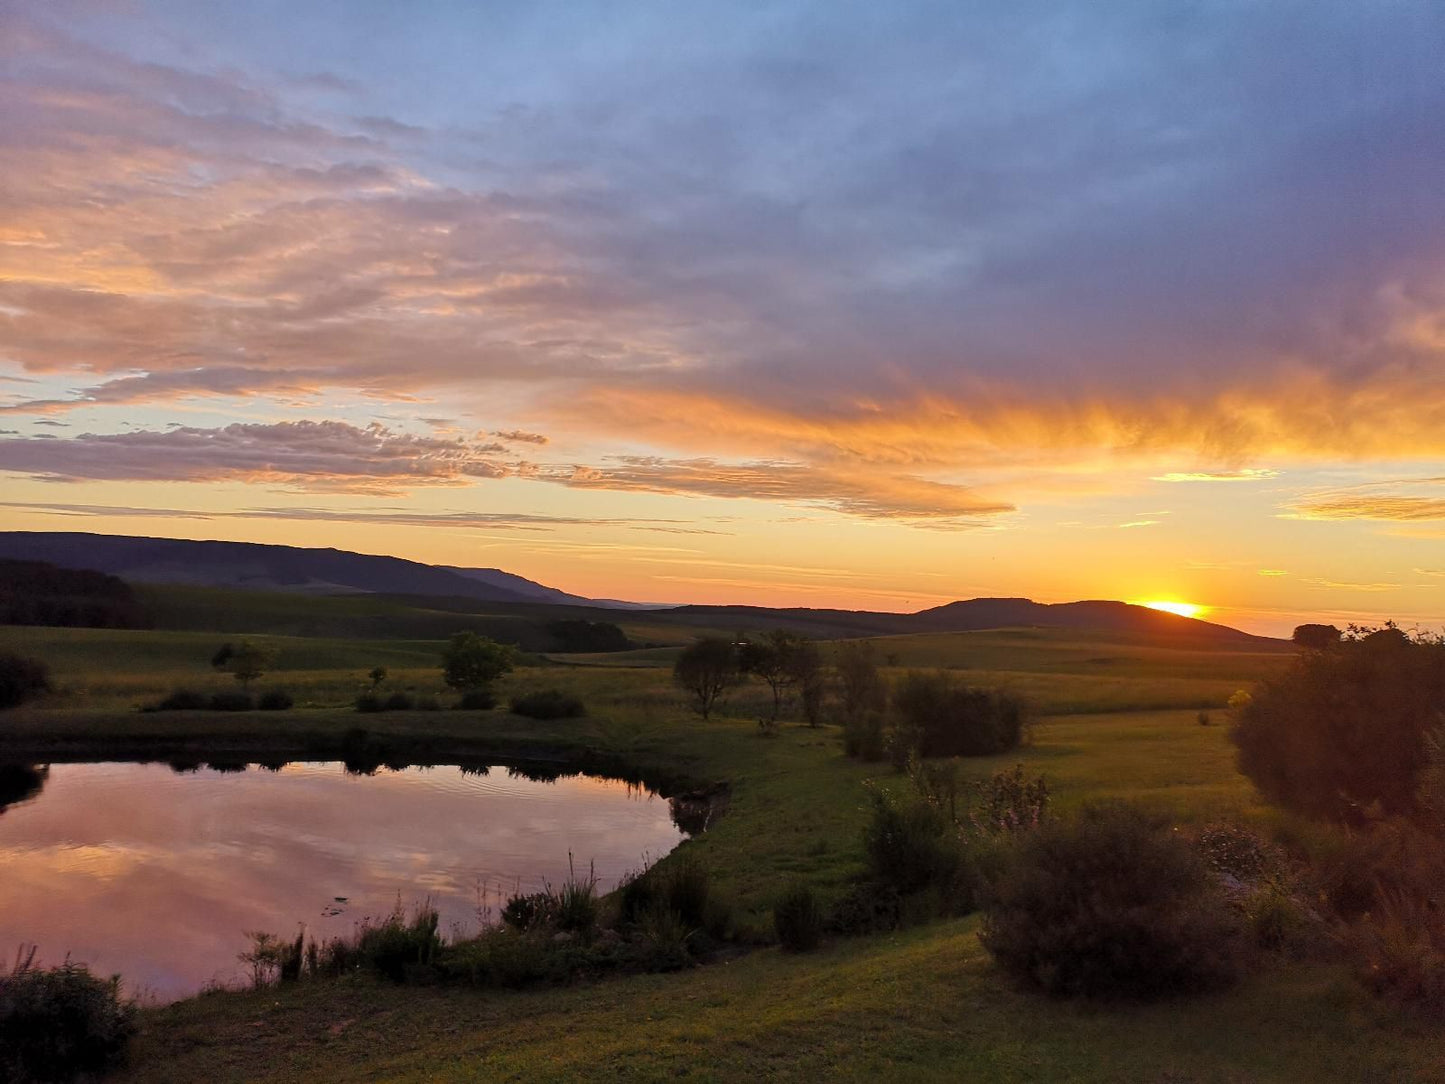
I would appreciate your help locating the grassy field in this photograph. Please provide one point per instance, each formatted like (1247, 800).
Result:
(922, 1004)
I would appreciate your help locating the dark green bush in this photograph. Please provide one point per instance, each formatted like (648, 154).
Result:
(863, 736)
(1111, 904)
(947, 718)
(230, 701)
(1343, 733)
(548, 704)
(21, 679)
(275, 700)
(868, 907)
(368, 703)
(528, 910)
(798, 919)
(428, 703)
(398, 702)
(181, 700)
(59, 1022)
(910, 845)
(477, 700)
(396, 945)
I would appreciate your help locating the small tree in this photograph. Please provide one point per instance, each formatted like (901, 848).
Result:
(377, 675)
(705, 670)
(774, 658)
(245, 661)
(472, 662)
(811, 678)
(860, 684)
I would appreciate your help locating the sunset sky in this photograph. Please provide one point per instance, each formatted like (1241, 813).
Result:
(835, 304)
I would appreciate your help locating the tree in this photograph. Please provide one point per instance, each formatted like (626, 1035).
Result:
(377, 675)
(811, 678)
(1316, 637)
(859, 680)
(473, 662)
(705, 670)
(774, 658)
(1342, 734)
(244, 661)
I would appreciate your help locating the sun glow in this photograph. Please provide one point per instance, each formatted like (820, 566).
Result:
(1183, 609)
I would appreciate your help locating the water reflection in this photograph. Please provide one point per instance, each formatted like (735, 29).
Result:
(158, 874)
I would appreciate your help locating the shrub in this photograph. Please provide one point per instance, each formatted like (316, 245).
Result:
(21, 679)
(477, 700)
(233, 700)
(548, 704)
(1400, 952)
(398, 702)
(868, 907)
(1009, 802)
(368, 703)
(396, 945)
(528, 911)
(275, 700)
(59, 1022)
(1111, 904)
(950, 719)
(910, 846)
(798, 919)
(1342, 733)
(428, 703)
(181, 700)
(471, 661)
(863, 736)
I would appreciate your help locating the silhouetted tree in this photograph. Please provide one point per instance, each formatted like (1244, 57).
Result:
(1342, 733)
(811, 678)
(473, 662)
(774, 658)
(246, 661)
(860, 684)
(705, 670)
(1316, 637)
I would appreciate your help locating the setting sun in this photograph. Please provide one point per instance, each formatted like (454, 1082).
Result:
(1183, 609)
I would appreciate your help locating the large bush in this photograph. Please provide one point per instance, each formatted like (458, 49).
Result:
(59, 1022)
(548, 704)
(911, 845)
(1343, 733)
(21, 678)
(946, 718)
(1111, 904)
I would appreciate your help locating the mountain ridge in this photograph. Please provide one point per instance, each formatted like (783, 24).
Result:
(327, 570)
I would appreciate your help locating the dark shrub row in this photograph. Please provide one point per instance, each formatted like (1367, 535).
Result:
(57, 1023)
(225, 700)
(942, 717)
(548, 704)
(373, 702)
(21, 679)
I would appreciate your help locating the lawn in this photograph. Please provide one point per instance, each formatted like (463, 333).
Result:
(921, 1004)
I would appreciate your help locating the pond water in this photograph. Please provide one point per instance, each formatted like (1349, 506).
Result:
(158, 874)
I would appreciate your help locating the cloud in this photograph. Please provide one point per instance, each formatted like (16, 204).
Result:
(1273, 572)
(521, 436)
(841, 264)
(1247, 474)
(508, 521)
(1403, 500)
(302, 455)
(870, 496)
(340, 457)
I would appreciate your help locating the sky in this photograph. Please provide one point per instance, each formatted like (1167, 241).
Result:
(829, 304)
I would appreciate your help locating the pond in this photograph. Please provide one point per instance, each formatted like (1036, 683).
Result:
(157, 874)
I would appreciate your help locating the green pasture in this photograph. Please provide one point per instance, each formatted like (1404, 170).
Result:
(921, 1004)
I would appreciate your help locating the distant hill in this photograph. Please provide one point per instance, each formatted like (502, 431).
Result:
(295, 570)
(270, 568)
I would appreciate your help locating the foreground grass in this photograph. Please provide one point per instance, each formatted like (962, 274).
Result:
(924, 1004)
